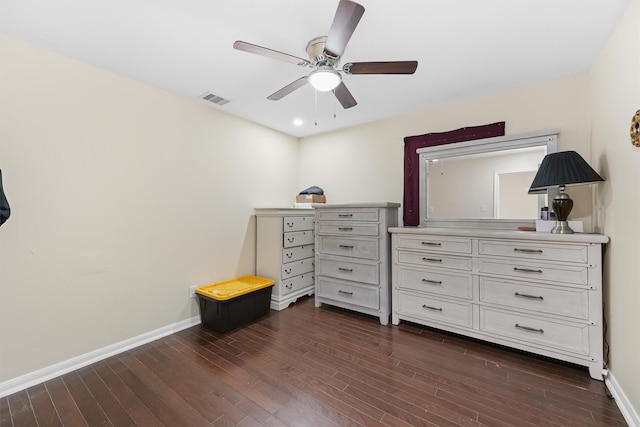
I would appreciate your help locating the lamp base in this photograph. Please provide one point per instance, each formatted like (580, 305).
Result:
(562, 205)
(562, 227)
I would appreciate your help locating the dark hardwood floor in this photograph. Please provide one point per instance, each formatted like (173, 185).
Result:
(305, 366)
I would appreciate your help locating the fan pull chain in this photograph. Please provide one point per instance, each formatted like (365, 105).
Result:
(315, 100)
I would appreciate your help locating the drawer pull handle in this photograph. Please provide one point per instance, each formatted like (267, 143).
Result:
(527, 328)
(340, 291)
(289, 255)
(540, 297)
(289, 285)
(287, 270)
(348, 270)
(432, 259)
(289, 224)
(431, 243)
(345, 215)
(527, 270)
(528, 251)
(345, 228)
(290, 239)
(433, 282)
(432, 308)
(346, 246)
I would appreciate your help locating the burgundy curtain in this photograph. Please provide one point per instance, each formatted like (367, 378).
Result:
(411, 199)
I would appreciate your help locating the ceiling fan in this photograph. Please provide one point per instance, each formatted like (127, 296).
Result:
(324, 57)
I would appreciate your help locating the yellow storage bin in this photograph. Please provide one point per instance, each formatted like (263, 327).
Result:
(232, 303)
(233, 288)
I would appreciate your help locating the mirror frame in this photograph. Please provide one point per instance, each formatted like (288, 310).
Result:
(547, 138)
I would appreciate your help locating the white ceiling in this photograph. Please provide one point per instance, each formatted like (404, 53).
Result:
(464, 48)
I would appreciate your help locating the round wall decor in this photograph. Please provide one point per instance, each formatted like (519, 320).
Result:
(635, 129)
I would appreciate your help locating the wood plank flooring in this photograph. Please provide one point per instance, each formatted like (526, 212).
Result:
(307, 366)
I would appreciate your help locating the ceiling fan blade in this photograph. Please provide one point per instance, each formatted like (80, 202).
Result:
(344, 24)
(344, 96)
(391, 67)
(296, 84)
(270, 53)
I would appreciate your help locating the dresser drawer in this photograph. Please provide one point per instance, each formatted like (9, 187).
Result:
(346, 229)
(436, 282)
(347, 215)
(298, 223)
(436, 260)
(572, 337)
(435, 309)
(349, 247)
(298, 238)
(460, 245)
(552, 252)
(551, 299)
(296, 283)
(297, 267)
(349, 269)
(297, 253)
(539, 271)
(337, 290)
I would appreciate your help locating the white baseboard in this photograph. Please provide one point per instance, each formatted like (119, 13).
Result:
(41, 375)
(624, 404)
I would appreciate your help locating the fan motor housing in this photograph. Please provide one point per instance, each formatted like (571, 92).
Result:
(317, 57)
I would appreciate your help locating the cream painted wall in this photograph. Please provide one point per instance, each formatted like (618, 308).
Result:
(365, 163)
(122, 197)
(615, 96)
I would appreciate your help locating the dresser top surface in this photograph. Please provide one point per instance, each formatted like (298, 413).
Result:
(503, 234)
(284, 211)
(358, 205)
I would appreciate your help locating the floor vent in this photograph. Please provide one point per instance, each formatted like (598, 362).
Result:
(214, 99)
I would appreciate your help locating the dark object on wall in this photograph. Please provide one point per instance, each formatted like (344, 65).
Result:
(5, 210)
(634, 132)
(411, 199)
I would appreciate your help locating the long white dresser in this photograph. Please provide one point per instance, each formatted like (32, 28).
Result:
(285, 252)
(537, 292)
(353, 256)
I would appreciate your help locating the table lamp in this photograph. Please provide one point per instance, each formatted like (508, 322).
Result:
(560, 170)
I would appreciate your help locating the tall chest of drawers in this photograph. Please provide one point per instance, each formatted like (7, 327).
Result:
(285, 253)
(537, 292)
(353, 268)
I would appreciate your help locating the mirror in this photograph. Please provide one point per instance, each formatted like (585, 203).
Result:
(488, 185)
(483, 180)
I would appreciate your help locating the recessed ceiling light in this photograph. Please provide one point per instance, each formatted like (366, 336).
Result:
(298, 122)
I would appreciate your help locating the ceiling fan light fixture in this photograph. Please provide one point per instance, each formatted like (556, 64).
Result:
(324, 80)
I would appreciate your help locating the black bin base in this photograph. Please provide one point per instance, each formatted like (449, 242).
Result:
(223, 316)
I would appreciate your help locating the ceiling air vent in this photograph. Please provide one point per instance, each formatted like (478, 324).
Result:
(214, 99)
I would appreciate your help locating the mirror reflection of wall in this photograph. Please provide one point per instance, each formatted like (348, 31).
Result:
(511, 195)
(491, 185)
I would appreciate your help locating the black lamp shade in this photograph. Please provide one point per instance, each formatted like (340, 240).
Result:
(562, 169)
